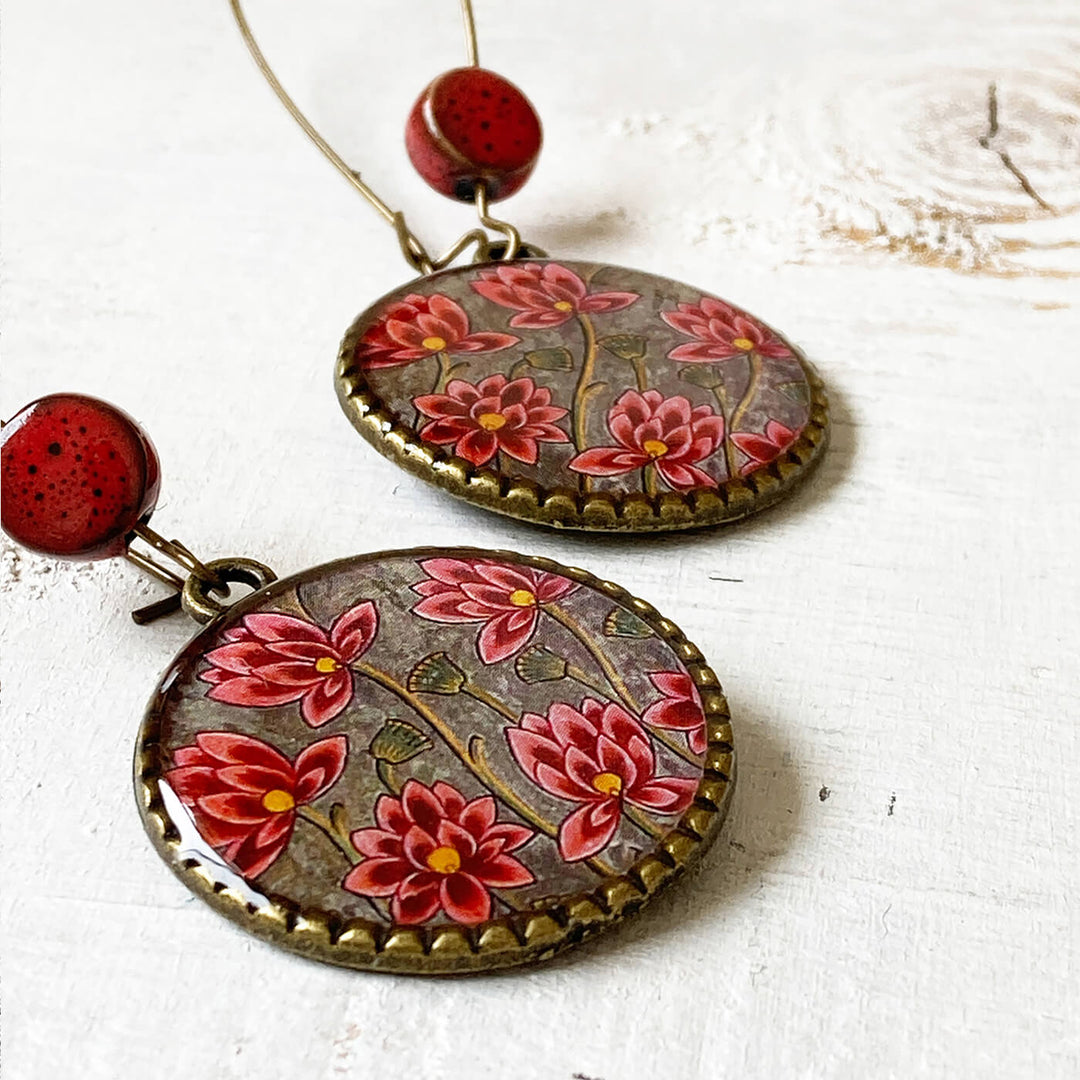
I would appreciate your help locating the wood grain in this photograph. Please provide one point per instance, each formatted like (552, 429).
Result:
(901, 634)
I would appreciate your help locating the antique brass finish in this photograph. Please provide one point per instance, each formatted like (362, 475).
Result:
(517, 938)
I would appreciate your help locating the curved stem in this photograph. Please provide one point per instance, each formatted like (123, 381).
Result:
(388, 777)
(471, 756)
(580, 675)
(666, 740)
(581, 391)
(729, 447)
(428, 715)
(445, 365)
(641, 374)
(326, 827)
(490, 700)
(583, 677)
(586, 639)
(754, 362)
(516, 803)
(657, 832)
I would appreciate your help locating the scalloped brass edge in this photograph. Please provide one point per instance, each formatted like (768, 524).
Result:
(565, 508)
(504, 942)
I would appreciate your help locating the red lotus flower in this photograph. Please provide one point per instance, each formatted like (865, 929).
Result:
(433, 851)
(761, 449)
(491, 416)
(505, 598)
(601, 758)
(679, 709)
(243, 793)
(720, 332)
(421, 326)
(652, 429)
(545, 295)
(272, 659)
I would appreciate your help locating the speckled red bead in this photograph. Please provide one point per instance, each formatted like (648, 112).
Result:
(471, 126)
(77, 475)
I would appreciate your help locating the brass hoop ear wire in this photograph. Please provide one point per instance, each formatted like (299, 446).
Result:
(416, 255)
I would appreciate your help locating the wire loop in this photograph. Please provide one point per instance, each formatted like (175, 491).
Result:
(412, 249)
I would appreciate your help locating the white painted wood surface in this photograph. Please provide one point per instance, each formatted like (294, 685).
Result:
(894, 894)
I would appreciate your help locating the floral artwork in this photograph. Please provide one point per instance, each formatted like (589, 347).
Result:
(423, 326)
(492, 417)
(506, 599)
(245, 795)
(489, 733)
(585, 378)
(718, 331)
(679, 709)
(433, 851)
(599, 757)
(545, 295)
(270, 659)
(760, 449)
(661, 435)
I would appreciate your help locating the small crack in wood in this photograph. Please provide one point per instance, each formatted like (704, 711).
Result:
(1003, 155)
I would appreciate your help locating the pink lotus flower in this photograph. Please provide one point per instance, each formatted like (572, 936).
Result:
(720, 332)
(506, 599)
(599, 757)
(653, 430)
(761, 449)
(421, 326)
(272, 659)
(545, 294)
(244, 794)
(679, 709)
(433, 851)
(491, 416)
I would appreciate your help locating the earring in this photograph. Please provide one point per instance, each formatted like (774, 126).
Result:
(424, 761)
(571, 394)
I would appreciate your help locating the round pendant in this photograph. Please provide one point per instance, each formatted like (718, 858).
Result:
(583, 396)
(434, 761)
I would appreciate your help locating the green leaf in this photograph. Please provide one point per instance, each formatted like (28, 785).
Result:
(436, 674)
(397, 741)
(626, 346)
(539, 664)
(623, 623)
(796, 391)
(558, 358)
(704, 375)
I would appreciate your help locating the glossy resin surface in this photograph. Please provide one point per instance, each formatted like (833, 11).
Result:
(593, 396)
(490, 755)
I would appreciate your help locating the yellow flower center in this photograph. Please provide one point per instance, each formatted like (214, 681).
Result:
(740, 343)
(325, 664)
(435, 344)
(278, 801)
(563, 305)
(522, 598)
(491, 421)
(654, 447)
(607, 783)
(444, 860)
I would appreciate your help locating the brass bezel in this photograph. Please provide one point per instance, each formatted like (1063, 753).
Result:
(522, 938)
(565, 508)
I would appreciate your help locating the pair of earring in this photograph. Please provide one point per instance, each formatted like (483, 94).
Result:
(443, 760)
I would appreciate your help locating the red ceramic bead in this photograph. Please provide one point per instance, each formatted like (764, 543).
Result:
(77, 474)
(471, 126)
